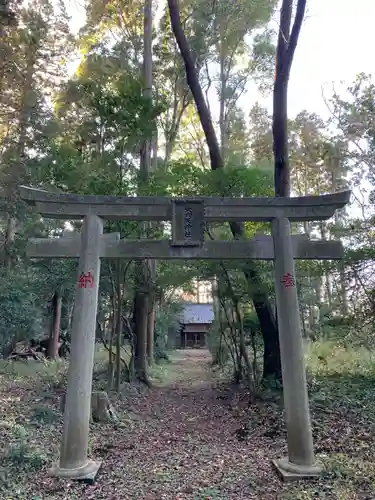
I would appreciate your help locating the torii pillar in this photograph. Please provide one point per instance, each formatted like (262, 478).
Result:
(300, 462)
(74, 463)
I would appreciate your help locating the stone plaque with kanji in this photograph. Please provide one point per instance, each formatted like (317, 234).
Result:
(187, 222)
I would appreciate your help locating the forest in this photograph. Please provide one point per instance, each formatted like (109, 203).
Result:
(149, 99)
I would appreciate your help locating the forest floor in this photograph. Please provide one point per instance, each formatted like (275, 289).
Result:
(179, 440)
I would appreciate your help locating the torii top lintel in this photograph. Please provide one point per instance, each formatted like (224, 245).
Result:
(159, 208)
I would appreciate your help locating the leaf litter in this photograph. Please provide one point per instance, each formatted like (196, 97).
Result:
(180, 441)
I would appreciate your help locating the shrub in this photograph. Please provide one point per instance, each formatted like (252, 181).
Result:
(20, 313)
(20, 453)
(166, 321)
(44, 414)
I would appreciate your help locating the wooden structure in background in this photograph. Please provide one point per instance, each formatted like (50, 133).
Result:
(195, 320)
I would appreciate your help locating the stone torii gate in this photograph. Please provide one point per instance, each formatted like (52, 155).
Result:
(187, 216)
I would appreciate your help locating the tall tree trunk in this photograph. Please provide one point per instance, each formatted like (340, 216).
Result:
(343, 290)
(175, 122)
(151, 316)
(238, 320)
(216, 159)
(147, 69)
(112, 338)
(344, 306)
(328, 291)
(318, 291)
(215, 297)
(155, 145)
(144, 270)
(338, 218)
(140, 315)
(244, 354)
(140, 337)
(53, 341)
(9, 240)
(262, 305)
(222, 117)
(14, 170)
(110, 350)
(70, 316)
(324, 234)
(118, 325)
(286, 46)
(150, 333)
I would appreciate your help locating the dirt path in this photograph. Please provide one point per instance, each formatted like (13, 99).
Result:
(189, 369)
(181, 444)
(178, 441)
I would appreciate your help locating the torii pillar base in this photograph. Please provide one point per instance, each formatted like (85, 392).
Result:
(292, 472)
(86, 474)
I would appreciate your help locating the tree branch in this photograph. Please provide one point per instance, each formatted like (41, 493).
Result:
(105, 343)
(286, 45)
(296, 29)
(196, 90)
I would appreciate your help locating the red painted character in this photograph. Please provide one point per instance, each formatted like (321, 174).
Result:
(288, 280)
(86, 280)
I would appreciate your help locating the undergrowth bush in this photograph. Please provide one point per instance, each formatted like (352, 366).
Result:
(329, 357)
(35, 373)
(20, 453)
(44, 415)
(166, 321)
(20, 315)
(217, 346)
